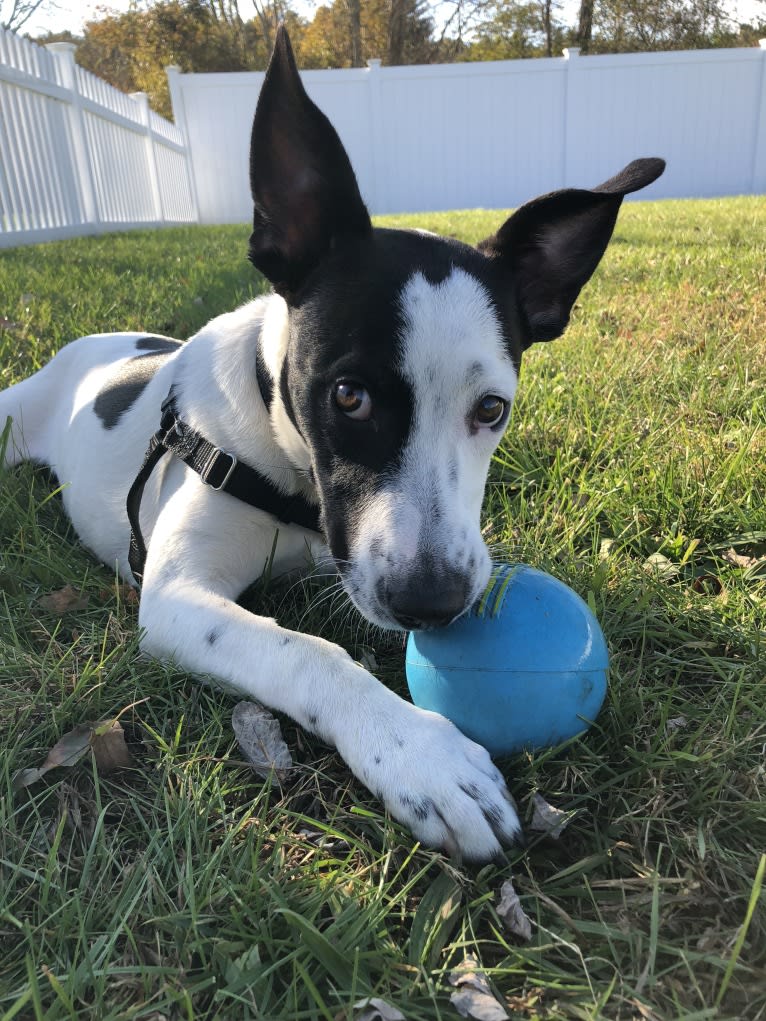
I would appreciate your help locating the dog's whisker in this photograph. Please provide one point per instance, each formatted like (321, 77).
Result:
(330, 598)
(328, 594)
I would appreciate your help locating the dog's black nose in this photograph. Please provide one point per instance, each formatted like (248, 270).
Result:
(418, 608)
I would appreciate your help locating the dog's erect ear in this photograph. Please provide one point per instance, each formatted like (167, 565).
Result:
(552, 245)
(305, 193)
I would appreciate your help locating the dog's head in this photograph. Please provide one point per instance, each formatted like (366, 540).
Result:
(401, 350)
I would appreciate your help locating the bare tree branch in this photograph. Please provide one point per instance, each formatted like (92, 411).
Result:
(14, 14)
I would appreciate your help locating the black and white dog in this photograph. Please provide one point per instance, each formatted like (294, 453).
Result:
(359, 403)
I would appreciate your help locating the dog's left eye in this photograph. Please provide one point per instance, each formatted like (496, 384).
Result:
(489, 411)
(353, 400)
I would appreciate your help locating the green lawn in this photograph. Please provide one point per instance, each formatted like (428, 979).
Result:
(635, 470)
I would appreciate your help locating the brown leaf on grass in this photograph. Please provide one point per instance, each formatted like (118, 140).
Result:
(107, 743)
(368, 661)
(661, 567)
(105, 739)
(547, 819)
(63, 600)
(259, 736)
(607, 548)
(677, 723)
(372, 1008)
(9, 324)
(738, 559)
(124, 592)
(708, 584)
(473, 997)
(512, 914)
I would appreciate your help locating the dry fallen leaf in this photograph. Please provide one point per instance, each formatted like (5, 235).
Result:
(547, 819)
(512, 914)
(738, 559)
(708, 584)
(473, 997)
(63, 600)
(606, 548)
(677, 723)
(259, 736)
(105, 739)
(108, 746)
(660, 566)
(368, 661)
(124, 592)
(372, 1008)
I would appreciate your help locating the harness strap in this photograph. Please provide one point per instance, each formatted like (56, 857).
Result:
(218, 469)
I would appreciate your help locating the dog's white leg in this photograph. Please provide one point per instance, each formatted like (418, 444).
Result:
(31, 405)
(430, 777)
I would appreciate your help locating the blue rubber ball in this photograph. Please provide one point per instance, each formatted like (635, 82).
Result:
(526, 667)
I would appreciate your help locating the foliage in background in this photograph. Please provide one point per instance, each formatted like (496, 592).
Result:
(131, 50)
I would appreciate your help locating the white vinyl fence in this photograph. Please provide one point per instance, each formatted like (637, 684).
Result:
(78, 156)
(496, 134)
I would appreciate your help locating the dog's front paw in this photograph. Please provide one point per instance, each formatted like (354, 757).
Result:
(436, 781)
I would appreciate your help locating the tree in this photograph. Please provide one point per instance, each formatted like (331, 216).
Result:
(620, 26)
(14, 14)
(131, 50)
(396, 31)
(585, 25)
(524, 28)
(513, 30)
(354, 8)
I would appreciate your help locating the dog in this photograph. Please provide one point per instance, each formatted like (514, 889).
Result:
(358, 405)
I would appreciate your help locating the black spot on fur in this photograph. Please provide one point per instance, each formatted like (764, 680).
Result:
(453, 472)
(377, 760)
(421, 808)
(494, 817)
(471, 790)
(285, 640)
(125, 387)
(158, 345)
(313, 720)
(212, 636)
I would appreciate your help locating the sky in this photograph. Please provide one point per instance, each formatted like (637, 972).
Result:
(73, 14)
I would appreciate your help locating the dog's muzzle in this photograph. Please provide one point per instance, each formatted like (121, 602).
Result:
(425, 604)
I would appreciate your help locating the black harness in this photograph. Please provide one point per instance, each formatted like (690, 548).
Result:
(219, 470)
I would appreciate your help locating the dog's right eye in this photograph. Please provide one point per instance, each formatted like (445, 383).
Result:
(353, 400)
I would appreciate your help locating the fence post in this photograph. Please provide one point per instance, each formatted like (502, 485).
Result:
(571, 56)
(63, 53)
(758, 184)
(151, 156)
(373, 81)
(173, 72)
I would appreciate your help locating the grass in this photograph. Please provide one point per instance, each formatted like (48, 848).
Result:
(634, 469)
